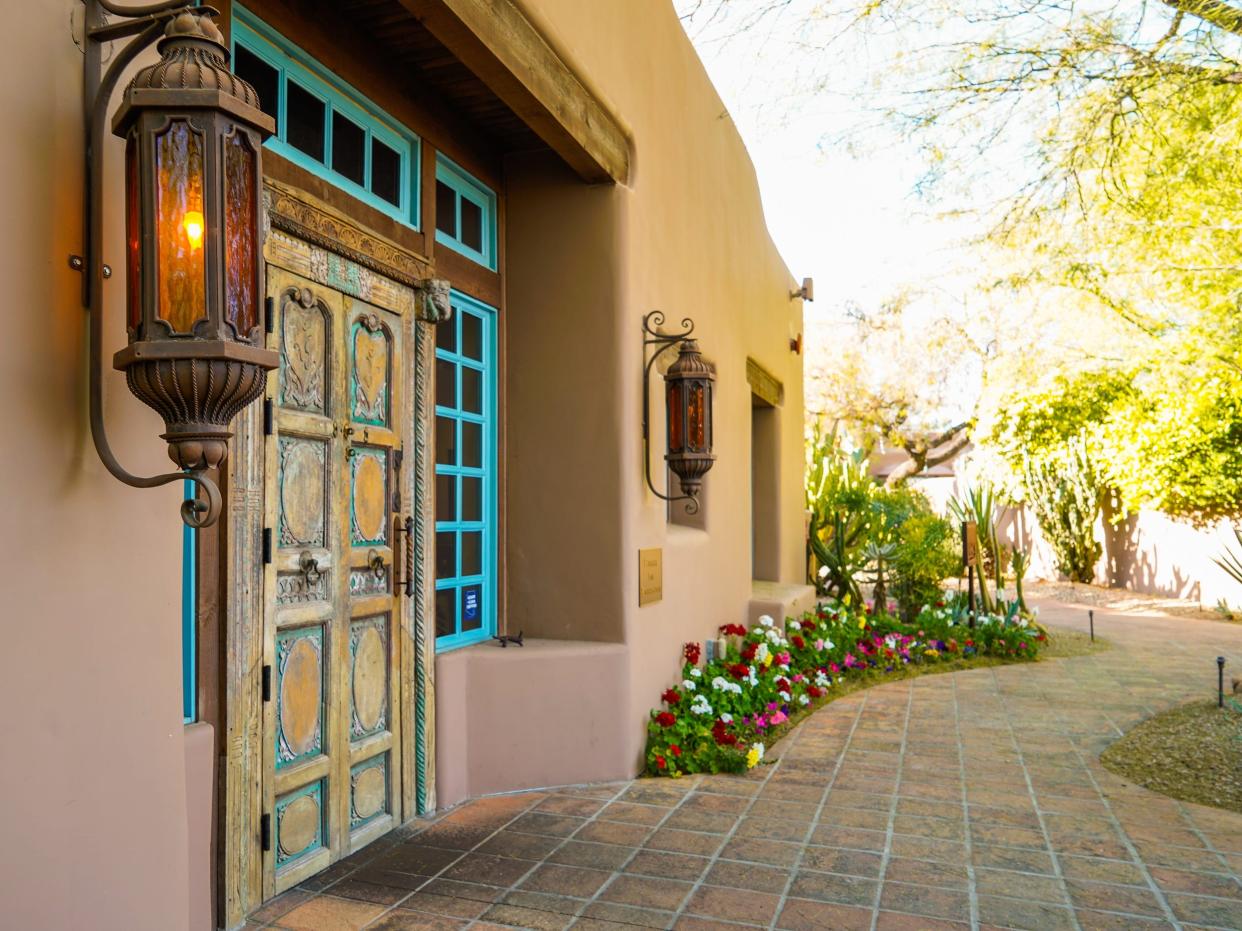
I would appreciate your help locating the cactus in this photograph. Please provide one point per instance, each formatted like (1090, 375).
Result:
(1065, 495)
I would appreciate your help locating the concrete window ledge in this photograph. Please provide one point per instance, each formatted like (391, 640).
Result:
(551, 712)
(779, 600)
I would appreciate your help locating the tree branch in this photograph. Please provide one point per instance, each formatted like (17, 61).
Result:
(1214, 12)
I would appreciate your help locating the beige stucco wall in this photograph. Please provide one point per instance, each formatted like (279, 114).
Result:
(92, 790)
(690, 240)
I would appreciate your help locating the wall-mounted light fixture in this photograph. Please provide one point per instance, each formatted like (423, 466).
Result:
(688, 389)
(806, 292)
(193, 135)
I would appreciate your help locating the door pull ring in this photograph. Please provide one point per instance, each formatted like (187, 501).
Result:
(310, 567)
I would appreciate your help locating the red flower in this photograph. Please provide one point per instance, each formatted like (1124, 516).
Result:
(670, 697)
(798, 642)
(720, 731)
(661, 762)
(739, 670)
(782, 684)
(749, 650)
(814, 691)
(666, 719)
(808, 624)
(734, 630)
(674, 749)
(692, 651)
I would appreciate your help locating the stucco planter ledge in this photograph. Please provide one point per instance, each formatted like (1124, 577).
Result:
(778, 600)
(551, 712)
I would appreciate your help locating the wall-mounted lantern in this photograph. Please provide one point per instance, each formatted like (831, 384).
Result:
(689, 386)
(193, 135)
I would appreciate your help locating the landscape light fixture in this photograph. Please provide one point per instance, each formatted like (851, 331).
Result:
(804, 293)
(193, 136)
(688, 389)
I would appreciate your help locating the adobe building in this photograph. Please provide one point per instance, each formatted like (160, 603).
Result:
(467, 210)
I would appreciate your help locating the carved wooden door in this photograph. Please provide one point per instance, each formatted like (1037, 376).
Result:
(332, 641)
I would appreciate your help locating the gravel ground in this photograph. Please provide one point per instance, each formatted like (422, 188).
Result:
(1192, 752)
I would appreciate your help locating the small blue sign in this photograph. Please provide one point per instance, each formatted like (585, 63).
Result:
(470, 608)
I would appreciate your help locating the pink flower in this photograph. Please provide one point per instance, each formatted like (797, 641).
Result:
(834, 667)
(849, 660)
(819, 645)
(782, 659)
(778, 718)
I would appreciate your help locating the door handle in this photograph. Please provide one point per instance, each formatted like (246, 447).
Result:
(376, 562)
(311, 570)
(407, 527)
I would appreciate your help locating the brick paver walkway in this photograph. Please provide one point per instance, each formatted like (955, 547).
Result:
(967, 800)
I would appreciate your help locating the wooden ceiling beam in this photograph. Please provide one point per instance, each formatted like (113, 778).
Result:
(505, 50)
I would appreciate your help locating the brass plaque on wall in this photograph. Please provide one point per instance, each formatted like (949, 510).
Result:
(650, 576)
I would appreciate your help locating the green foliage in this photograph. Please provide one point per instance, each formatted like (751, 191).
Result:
(839, 495)
(1064, 494)
(860, 531)
(1230, 561)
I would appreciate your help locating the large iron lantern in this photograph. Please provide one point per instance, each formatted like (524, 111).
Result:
(688, 389)
(193, 135)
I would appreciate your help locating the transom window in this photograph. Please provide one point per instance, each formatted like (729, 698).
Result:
(466, 474)
(325, 126)
(465, 213)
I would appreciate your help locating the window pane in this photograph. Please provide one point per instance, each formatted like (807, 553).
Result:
(446, 384)
(305, 113)
(471, 607)
(472, 444)
(446, 612)
(471, 554)
(261, 76)
(385, 173)
(446, 497)
(349, 142)
(446, 441)
(446, 555)
(471, 224)
(446, 335)
(471, 498)
(446, 209)
(471, 390)
(472, 336)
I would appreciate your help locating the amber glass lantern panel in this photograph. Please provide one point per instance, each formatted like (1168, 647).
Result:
(133, 235)
(676, 418)
(180, 227)
(695, 416)
(240, 253)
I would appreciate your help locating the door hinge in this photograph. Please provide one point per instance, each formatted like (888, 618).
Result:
(269, 315)
(267, 683)
(267, 545)
(265, 832)
(268, 416)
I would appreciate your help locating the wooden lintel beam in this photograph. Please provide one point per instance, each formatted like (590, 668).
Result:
(499, 44)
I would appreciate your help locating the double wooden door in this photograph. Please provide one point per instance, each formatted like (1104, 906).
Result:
(333, 645)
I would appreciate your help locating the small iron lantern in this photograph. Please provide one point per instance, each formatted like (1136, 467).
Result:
(689, 385)
(193, 135)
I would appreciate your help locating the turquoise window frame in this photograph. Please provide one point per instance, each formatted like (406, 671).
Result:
(289, 61)
(189, 617)
(464, 184)
(463, 304)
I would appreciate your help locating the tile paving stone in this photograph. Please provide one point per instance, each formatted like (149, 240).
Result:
(970, 800)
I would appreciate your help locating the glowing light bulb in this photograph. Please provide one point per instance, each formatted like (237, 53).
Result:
(193, 224)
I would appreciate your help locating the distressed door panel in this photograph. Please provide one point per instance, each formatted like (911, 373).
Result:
(334, 760)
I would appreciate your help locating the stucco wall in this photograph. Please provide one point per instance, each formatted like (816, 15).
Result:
(93, 785)
(692, 241)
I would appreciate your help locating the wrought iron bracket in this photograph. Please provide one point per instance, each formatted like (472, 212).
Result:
(146, 24)
(654, 337)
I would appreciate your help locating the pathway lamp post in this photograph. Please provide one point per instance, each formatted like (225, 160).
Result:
(193, 136)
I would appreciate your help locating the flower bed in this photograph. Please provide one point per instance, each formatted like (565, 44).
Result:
(720, 716)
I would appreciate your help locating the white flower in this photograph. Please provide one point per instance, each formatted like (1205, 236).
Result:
(775, 637)
(766, 621)
(804, 699)
(700, 705)
(688, 685)
(823, 572)
(720, 683)
(784, 696)
(696, 672)
(821, 680)
(726, 717)
(761, 653)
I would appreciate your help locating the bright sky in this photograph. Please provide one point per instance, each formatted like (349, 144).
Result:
(851, 223)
